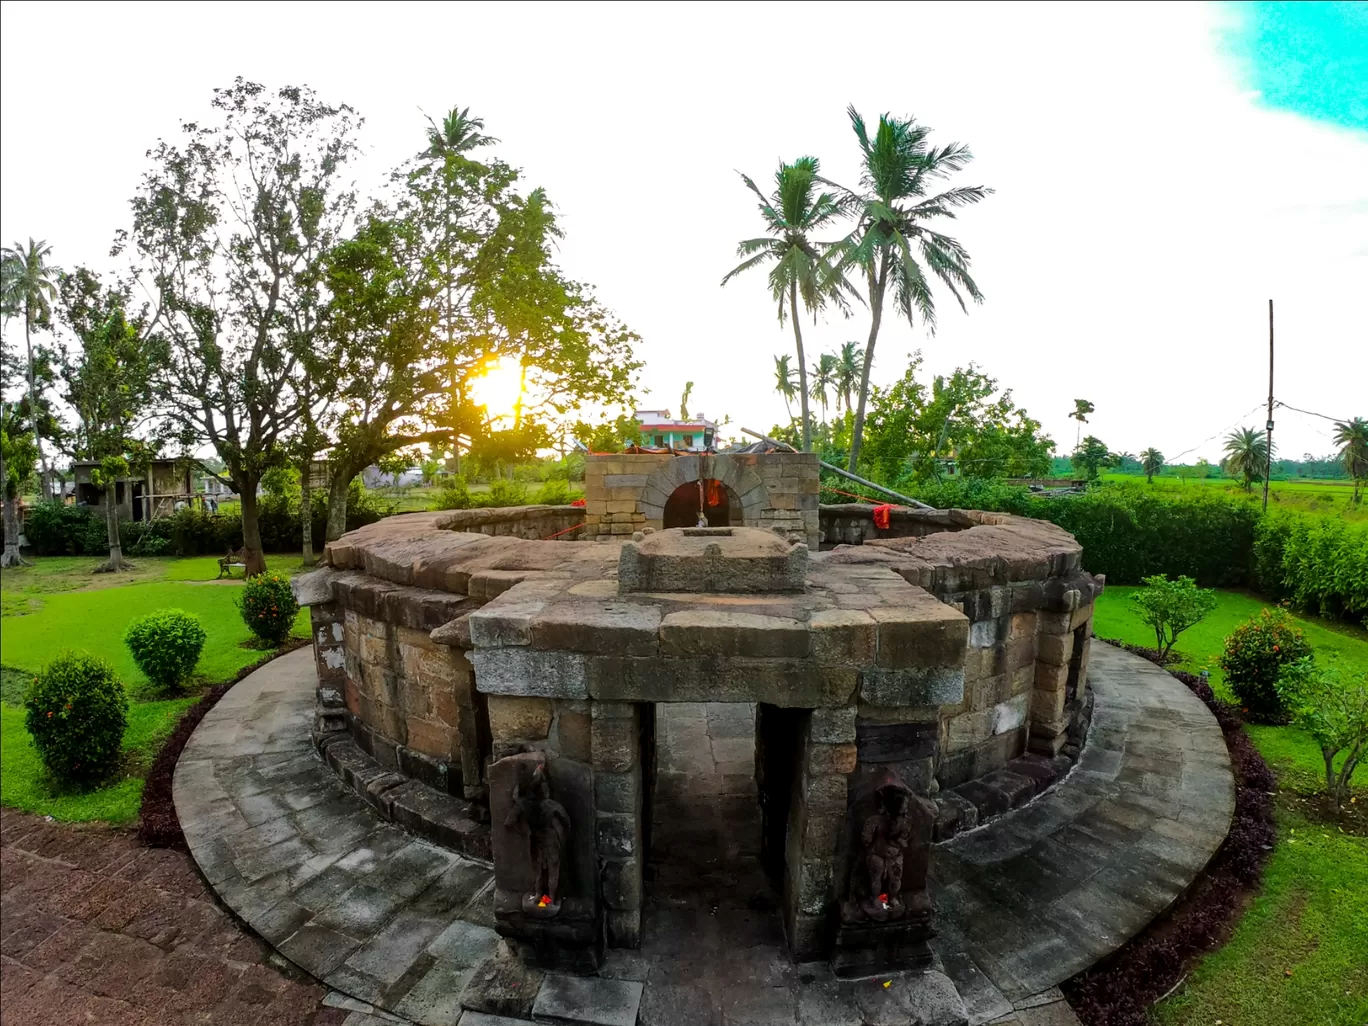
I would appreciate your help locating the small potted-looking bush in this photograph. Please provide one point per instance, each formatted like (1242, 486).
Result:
(1254, 657)
(166, 645)
(76, 711)
(269, 608)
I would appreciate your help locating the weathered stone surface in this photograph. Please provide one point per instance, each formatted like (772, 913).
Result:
(784, 682)
(722, 560)
(843, 637)
(615, 628)
(832, 726)
(530, 672)
(933, 685)
(701, 632)
(313, 588)
(576, 1000)
(514, 718)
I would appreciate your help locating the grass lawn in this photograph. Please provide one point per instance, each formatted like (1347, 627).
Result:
(59, 603)
(1306, 495)
(1337, 644)
(1297, 956)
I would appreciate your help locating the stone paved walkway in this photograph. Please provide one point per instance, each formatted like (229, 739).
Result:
(1025, 901)
(1040, 894)
(95, 929)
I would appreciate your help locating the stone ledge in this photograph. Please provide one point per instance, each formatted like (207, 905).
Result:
(441, 818)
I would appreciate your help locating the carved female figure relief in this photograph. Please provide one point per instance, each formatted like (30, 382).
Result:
(547, 826)
(877, 878)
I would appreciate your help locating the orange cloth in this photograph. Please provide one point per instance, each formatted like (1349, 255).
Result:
(881, 516)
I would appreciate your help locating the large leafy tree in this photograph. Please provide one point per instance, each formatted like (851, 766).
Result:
(1352, 438)
(18, 457)
(893, 244)
(1091, 456)
(29, 286)
(108, 382)
(914, 433)
(425, 296)
(1246, 456)
(230, 228)
(1151, 462)
(799, 267)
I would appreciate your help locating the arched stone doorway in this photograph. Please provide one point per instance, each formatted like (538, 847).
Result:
(746, 494)
(717, 502)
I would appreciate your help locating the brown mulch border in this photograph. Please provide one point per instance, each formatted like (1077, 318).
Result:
(1153, 963)
(158, 825)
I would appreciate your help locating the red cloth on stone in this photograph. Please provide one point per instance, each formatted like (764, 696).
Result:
(881, 516)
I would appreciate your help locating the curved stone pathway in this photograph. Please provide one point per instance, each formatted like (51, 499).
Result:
(1024, 902)
(1044, 892)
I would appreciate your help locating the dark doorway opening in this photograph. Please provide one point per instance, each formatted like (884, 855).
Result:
(139, 506)
(777, 751)
(712, 497)
(706, 892)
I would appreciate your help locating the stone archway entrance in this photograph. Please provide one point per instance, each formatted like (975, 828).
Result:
(715, 500)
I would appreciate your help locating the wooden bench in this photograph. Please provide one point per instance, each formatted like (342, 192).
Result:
(232, 559)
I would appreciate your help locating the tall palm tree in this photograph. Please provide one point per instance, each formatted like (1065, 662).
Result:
(1082, 407)
(848, 362)
(783, 382)
(1246, 455)
(800, 267)
(899, 167)
(1151, 462)
(458, 133)
(1352, 438)
(824, 382)
(29, 286)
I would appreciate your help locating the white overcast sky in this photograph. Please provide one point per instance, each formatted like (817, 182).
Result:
(1146, 205)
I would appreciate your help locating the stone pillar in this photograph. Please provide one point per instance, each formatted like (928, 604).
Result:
(817, 820)
(330, 660)
(619, 830)
(1060, 691)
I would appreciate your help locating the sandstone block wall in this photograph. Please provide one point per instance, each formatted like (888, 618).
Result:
(627, 492)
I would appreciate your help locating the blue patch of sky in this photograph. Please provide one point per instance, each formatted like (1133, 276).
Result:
(1310, 58)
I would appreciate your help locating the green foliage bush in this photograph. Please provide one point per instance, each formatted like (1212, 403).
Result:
(56, 529)
(454, 494)
(166, 646)
(268, 607)
(556, 493)
(1254, 657)
(1171, 607)
(1334, 711)
(1318, 563)
(503, 492)
(76, 712)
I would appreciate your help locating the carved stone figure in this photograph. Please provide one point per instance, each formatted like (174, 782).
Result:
(547, 825)
(877, 880)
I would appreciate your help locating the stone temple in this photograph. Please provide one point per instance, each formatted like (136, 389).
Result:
(704, 715)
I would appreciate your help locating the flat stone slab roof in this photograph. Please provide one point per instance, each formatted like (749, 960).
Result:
(1023, 903)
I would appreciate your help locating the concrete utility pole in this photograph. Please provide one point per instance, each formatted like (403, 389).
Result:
(1268, 456)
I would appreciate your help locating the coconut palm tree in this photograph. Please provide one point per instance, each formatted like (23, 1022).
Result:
(1082, 407)
(800, 268)
(458, 133)
(29, 286)
(1352, 438)
(1246, 456)
(892, 240)
(848, 363)
(824, 382)
(783, 382)
(1151, 462)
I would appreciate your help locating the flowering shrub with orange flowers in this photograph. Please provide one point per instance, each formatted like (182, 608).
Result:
(76, 711)
(1254, 656)
(268, 607)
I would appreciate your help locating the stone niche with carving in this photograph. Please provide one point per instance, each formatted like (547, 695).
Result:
(906, 688)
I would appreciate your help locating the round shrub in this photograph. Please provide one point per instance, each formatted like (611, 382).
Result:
(1254, 656)
(166, 646)
(269, 608)
(76, 711)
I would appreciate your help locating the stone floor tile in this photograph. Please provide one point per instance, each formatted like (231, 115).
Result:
(983, 1002)
(829, 1003)
(502, 985)
(463, 944)
(435, 1000)
(588, 1000)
